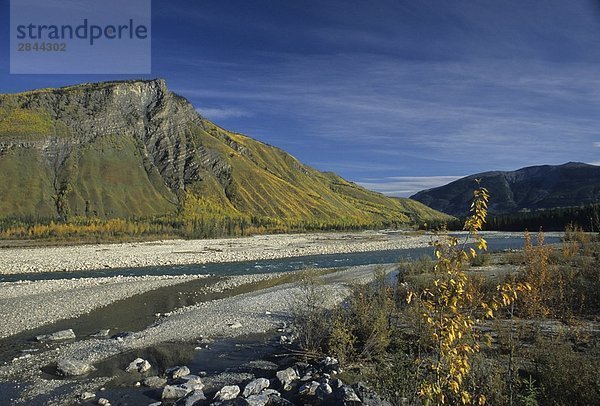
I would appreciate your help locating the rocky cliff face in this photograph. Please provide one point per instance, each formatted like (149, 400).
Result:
(135, 149)
(531, 188)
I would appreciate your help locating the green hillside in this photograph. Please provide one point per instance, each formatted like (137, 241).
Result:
(134, 150)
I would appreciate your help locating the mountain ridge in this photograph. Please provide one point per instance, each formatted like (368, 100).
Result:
(133, 148)
(526, 189)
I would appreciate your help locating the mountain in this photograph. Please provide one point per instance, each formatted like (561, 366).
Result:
(526, 189)
(134, 149)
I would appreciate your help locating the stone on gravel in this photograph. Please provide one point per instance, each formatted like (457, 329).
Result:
(174, 392)
(235, 325)
(178, 371)
(87, 396)
(154, 382)
(192, 380)
(73, 367)
(309, 388)
(227, 393)
(192, 385)
(138, 365)
(323, 391)
(255, 387)
(192, 398)
(103, 402)
(287, 377)
(58, 336)
(330, 364)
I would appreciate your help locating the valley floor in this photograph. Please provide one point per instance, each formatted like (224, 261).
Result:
(150, 311)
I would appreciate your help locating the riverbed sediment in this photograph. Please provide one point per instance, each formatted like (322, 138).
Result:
(187, 252)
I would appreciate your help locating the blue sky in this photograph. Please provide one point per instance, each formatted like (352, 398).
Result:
(395, 95)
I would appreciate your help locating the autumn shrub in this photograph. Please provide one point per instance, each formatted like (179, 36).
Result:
(536, 272)
(483, 259)
(361, 329)
(450, 310)
(574, 233)
(562, 286)
(423, 264)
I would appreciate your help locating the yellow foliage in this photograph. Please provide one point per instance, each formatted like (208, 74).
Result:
(449, 309)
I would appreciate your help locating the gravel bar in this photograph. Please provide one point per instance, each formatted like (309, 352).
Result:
(186, 252)
(249, 313)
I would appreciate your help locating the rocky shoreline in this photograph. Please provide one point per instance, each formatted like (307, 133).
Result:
(26, 305)
(254, 312)
(186, 252)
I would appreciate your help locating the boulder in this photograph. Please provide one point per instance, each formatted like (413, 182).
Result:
(103, 402)
(323, 391)
(87, 396)
(138, 365)
(193, 380)
(255, 387)
(192, 385)
(178, 371)
(309, 388)
(171, 392)
(227, 393)
(73, 367)
(330, 364)
(286, 377)
(192, 398)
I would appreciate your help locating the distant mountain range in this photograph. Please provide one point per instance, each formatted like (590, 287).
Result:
(135, 149)
(526, 189)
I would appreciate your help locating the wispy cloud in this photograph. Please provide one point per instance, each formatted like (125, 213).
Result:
(405, 186)
(446, 111)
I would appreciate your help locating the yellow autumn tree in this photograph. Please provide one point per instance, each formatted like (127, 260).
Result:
(450, 309)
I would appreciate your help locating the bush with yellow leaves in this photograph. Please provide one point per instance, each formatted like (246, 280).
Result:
(450, 310)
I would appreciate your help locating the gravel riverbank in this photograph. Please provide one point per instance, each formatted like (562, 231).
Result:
(27, 305)
(184, 252)
(249, 313)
